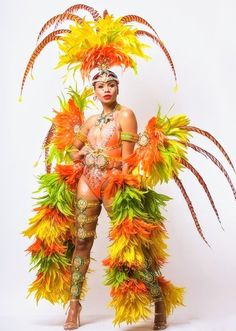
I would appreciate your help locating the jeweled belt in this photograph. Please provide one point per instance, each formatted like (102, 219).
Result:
(97, 158)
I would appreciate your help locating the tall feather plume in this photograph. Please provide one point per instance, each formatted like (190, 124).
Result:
(58, 19)
(46, 144)
(160, 43)
(55, 35)
(213, 139)
(216, 162)
(95, 14)
(134, 18)
(190, 206)
(203, 184)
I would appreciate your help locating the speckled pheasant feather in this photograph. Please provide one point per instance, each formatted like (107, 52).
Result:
(203, 184)
(59, 19)
(216, 162)
(53, 36)
(190, 206)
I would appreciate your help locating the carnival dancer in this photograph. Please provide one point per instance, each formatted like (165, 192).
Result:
(103, 160)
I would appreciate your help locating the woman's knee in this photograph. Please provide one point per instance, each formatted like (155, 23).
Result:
(84, 245)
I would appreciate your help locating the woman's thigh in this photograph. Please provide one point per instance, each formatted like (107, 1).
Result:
(88, 215)
(84, 191)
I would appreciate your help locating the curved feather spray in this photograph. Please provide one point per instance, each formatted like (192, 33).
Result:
(190, 206)
(216, 162)
(160, 43)
(213, 139)
(134, 18)
(203, 184)
(53, 36)
(95, 14)
(58, 19)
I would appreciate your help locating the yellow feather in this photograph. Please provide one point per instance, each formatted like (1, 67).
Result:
(88, 35)
(127, 251)
(173, 297)
(130, 308)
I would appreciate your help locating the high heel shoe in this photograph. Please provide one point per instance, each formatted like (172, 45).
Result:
(160, 315)
(73, 317)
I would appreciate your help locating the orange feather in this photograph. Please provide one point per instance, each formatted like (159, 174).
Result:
(65, 122)
(132, 285)
(119, 180)
(136, 227)
(70, 173)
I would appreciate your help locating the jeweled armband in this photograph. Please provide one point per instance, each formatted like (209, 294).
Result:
(129, 136)
(143, 139)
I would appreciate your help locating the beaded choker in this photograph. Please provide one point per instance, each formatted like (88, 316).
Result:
(105, 118)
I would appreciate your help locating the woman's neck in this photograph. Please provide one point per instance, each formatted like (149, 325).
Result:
(107, 108)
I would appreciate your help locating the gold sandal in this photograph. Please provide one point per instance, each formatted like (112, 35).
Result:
(73, 318)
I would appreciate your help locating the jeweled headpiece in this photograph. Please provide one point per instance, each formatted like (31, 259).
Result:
(100, 43)
(105, 75)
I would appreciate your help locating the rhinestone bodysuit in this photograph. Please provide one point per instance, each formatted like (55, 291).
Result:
(102, 154)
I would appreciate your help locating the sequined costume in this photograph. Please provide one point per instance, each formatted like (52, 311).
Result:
(102, 154)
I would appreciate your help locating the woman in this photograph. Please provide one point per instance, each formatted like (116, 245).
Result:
(103, 142)
(112, 173)
(105, 170)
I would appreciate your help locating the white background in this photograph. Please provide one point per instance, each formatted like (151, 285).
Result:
(200, 36)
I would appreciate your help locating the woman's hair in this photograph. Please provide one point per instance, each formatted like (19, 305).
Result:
(104, 76)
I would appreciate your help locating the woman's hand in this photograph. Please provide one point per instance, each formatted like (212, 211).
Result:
(75, 155)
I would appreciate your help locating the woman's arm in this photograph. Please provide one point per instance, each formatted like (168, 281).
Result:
(80, 140)
(78, 144)
(129, 135)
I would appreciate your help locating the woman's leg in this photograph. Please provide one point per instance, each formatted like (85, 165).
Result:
(160, 322)
(88, 208)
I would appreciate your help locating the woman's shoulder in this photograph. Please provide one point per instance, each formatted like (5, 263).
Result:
(126, 112)
(91, 120)
(127, 119)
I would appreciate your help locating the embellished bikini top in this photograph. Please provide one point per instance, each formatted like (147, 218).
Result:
(106, 136)
(103, 142)
(103, 145)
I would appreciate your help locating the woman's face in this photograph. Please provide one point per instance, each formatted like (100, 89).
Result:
(106, 92)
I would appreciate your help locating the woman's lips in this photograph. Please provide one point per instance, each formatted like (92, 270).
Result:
(107, 97)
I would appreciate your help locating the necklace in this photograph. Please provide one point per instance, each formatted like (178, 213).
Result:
(105, 118)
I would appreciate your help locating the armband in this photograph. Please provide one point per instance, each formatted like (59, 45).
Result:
(129, 136)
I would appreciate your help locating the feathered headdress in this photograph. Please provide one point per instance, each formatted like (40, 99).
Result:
(102, 42)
